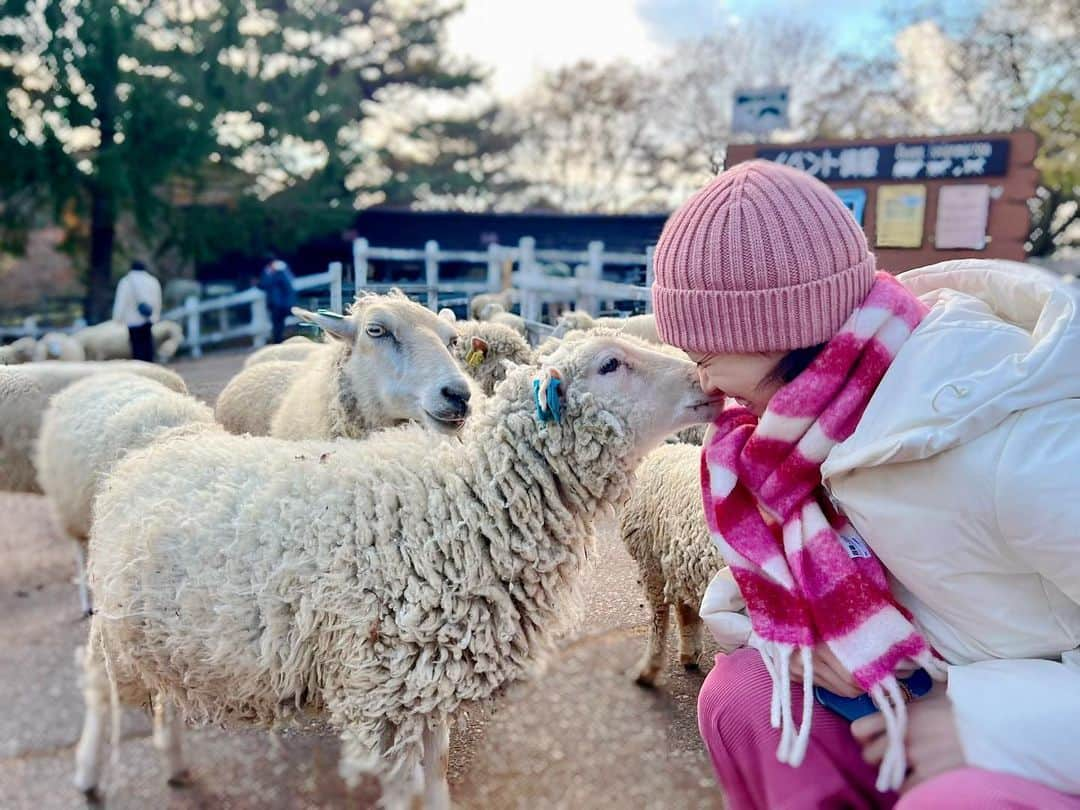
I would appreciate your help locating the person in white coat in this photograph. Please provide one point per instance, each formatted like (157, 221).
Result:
(138, 307)
(960, 475)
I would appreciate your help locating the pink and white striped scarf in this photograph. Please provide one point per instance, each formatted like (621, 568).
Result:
(806, 576)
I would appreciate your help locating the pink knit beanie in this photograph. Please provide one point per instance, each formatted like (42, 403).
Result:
(764, 258)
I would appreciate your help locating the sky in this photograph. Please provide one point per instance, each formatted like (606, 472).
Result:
(517, 39)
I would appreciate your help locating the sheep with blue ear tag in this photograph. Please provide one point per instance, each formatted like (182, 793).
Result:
(394, 579)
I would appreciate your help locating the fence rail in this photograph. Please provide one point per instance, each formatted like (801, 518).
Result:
(537, 278)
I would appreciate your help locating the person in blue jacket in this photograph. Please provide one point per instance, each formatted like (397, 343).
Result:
(277, 282)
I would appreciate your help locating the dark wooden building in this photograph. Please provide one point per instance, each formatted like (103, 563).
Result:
(455, 230)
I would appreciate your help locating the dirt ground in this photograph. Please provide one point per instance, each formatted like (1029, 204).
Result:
(582, 735)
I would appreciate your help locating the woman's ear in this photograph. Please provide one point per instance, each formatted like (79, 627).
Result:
(335, 325)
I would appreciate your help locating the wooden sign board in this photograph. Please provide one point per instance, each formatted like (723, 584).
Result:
(1000, 163)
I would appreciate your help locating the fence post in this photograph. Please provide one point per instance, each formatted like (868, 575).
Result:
(191, 313)
(260, 320)
(593, 271)
(529, 272)
(649, 275)
(360, 262)
(335, 287)
(431, 273)
(494, 268)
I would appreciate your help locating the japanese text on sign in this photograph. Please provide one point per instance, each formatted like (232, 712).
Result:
(901, 161)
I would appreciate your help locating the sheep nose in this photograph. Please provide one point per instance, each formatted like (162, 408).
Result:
(458, 398)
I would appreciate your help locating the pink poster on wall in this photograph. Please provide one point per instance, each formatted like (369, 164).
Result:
(962, 214)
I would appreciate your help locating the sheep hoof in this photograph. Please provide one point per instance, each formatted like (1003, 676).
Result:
(180, 780)
(691, 664)
(92, 795)
(646, 680)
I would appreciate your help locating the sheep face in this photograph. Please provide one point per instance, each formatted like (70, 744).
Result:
(486, 350)
(622, 385)
(573, 321)
(399, 357)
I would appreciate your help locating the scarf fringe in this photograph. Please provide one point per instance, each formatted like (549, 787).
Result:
(794, 740)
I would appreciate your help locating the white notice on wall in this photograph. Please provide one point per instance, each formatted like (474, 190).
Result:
(962, 214)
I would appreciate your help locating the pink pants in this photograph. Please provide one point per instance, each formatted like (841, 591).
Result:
(733, 715)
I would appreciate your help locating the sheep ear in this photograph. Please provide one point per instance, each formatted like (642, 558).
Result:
(332, 323)
(548, 393)
(477, 352)
(448, 315)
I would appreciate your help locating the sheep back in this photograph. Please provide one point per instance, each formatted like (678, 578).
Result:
(250, 400)
(91, 424)
(25, 392)
(663, 525)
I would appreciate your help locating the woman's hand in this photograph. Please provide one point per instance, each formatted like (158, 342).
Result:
(932, 742)
(829, 673)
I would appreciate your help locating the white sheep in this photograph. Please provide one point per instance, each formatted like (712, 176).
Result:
(691, 435)
(25, 392)
(251, 398)
(486, 348)
(58, 346)
(509, 319)
(87, 428)
(19, 351)
(294, 349)
(109, 340)
(663, 528)
(640, 326)
(478, 303)
(388, 362)
(378, 584)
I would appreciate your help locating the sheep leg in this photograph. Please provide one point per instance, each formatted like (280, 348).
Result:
(689, 622)
(653, 660)
(436, 760)
(80, 576)
(393, 753)
(90, 752)
(168, 740)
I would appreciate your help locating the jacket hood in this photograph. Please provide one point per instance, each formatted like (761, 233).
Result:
(1001, 337)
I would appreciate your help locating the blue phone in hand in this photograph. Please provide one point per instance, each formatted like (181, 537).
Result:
(851, 709)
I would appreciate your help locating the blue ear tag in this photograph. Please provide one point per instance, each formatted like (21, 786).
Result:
(546, 399)
(554, 403)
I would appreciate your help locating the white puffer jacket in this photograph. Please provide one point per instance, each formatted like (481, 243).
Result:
(964, 478)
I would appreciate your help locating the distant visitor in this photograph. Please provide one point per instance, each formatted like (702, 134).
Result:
(138, 306)
(277, 282)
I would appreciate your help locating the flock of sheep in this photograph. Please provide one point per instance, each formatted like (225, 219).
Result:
(372, 530)
(104, 341)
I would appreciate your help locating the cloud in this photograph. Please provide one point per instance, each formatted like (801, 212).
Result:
(518, 40)
(676, 20)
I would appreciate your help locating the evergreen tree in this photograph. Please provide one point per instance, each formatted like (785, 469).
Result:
(146, 108)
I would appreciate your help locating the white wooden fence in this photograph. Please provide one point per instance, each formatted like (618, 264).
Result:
(257, 326)
(532, 275)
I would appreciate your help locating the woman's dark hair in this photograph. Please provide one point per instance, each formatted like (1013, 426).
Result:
(794, 363)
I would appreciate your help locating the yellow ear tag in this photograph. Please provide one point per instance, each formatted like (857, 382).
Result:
(478, 353)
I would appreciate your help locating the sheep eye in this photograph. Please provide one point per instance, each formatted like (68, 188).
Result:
(375, 331)
(453, 342)
(610, 366)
